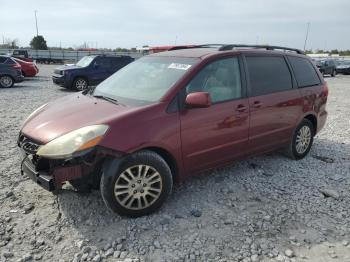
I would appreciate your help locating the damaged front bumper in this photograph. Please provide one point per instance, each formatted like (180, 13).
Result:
(51, 174)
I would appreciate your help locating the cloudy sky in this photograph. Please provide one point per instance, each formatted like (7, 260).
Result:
(131, 23)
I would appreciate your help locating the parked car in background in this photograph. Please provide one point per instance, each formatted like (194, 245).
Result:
(10, 72)
(89, 71)
(20, 54)
(344, 67)
(173, 114)
(327, 67)
(29, 69)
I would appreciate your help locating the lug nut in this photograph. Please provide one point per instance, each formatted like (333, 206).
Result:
(133, 185)
(135, 191)
(144, 185)
(139, 181)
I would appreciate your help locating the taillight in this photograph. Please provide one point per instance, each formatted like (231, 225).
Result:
(16, 66)
(325, 89)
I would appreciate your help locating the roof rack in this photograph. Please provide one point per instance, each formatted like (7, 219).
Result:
(267, 47)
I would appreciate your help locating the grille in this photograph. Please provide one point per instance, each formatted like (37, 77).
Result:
(28, 145)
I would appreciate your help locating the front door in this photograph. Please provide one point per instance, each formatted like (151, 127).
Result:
(101, 70)
(217, 134)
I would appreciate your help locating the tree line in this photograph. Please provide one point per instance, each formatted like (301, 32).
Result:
(39, 43)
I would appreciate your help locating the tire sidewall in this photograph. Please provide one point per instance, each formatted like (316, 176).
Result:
(13, 82)
(307, 123)
(75, 83)
(110, 176)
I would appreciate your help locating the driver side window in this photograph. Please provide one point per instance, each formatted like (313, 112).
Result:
(221, 79)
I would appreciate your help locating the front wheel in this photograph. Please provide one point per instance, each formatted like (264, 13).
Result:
(80, 84)
(302, 140)
(6, 81)
(137, 185)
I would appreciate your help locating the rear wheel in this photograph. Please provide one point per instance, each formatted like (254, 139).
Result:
(138, 185)
(80, 84)
(6, 81)
(334, 73)
(302, 140)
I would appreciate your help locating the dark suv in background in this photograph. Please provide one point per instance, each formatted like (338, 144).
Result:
(327, 66)
(10, 72)
(89, 71)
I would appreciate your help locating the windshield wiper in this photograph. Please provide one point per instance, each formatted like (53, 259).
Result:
(107, 98)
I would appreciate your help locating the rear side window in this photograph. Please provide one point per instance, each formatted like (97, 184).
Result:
(304, 72)
(9, 61)
(119, 61)
(2, 59)
(268, 74)
(103, 62)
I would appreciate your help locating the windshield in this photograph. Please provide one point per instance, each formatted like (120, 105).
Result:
(320, 62)
(85, 61)
(345, 63)
(146, 80)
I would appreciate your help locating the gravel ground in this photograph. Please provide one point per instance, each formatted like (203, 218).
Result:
(267, 208)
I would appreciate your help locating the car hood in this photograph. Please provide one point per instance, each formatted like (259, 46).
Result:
(343, 66)
(70, 113)
(68, 67)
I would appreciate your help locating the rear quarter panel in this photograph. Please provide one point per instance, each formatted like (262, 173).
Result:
(315, 100)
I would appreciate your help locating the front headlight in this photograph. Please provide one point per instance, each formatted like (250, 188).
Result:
(75, 141)
(33, 113)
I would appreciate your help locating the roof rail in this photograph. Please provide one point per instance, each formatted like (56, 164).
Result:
(195, 46)
(267, 47)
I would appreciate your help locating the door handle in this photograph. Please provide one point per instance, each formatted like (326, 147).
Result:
(241, 108)
(257, 104)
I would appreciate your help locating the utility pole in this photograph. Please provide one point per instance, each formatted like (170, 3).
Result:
(36, 23)
(307, 34)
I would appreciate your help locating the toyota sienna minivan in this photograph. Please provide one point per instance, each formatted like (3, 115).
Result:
(171, 115)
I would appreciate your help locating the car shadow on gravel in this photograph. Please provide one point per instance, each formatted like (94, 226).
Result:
(269, 195)
(65, 90)
(36, 78)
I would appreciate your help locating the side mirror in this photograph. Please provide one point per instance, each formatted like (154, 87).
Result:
(198, 100)
(96, 65)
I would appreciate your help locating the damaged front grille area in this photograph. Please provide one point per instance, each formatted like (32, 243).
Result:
(28, 145)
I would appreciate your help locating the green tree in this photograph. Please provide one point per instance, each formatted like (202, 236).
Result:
(38, 42)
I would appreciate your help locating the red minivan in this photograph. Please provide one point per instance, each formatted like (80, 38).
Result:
(173, 114)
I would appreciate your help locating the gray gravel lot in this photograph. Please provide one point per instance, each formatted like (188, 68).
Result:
(267, 208)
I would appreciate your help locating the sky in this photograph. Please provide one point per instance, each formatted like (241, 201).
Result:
(134, 23)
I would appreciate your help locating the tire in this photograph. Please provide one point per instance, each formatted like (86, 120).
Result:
(295, 149)
(80, 84)
(6, 81)
(134, 197)
(334, 73)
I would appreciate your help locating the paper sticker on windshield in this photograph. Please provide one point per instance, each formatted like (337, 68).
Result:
(179, 66)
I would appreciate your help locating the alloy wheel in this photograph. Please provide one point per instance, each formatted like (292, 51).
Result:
(138, 187)
(6, 81)
(81, 84)
(303, 139)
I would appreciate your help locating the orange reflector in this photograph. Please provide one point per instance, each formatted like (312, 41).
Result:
(90, 143)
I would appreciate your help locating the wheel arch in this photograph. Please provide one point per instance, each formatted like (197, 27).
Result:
(313, 119)
(168, 158)
(81, 76)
